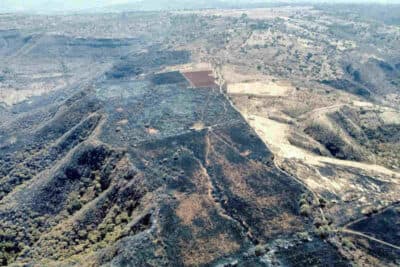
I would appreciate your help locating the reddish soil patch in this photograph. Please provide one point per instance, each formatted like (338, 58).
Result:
(200, 78)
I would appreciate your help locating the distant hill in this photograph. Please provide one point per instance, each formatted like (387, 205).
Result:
(57, 6)
(157, 5)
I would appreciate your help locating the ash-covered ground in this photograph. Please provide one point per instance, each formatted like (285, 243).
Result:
(110, 155)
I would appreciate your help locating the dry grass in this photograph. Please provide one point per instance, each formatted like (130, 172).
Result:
(268, 201)
(284, 222)
(200, 251)
(237, 175)
(192, 207)
(233, 74)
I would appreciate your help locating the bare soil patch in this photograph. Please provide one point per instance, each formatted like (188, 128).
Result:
(260, 88)
(201, 78)
(198, 126)
(152, 131)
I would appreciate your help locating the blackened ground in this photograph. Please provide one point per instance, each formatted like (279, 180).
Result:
(388, 255)
(314, 253)
(168, 78)
(118, 175)
(384, 226)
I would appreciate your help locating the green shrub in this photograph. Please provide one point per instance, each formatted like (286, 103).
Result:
(324, 231)
(94, 236)
(122, 218)
(322, 202)
(74, 206)
(260, 250)
(347, 243)
(305, 210)
(303, 201)
(303, 236)
(82, 233)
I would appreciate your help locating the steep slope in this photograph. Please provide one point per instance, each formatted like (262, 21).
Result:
(319, 89)
(111, 156)
(136, 167)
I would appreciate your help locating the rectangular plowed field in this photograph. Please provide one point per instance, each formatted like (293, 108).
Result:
(200, 78)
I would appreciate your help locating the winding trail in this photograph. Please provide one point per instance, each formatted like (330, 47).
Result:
(212, 189)
(375, 214)
(303, 184)
(369, 237)
(345, 228)
(317, 160)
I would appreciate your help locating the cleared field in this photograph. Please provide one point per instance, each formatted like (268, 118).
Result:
(260, 88)
(200, 78)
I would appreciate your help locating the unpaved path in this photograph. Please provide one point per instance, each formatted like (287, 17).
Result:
(275, 134)
(370, 238)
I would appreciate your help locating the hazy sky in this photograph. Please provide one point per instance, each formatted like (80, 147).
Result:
(23, 5)
(67, 5)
